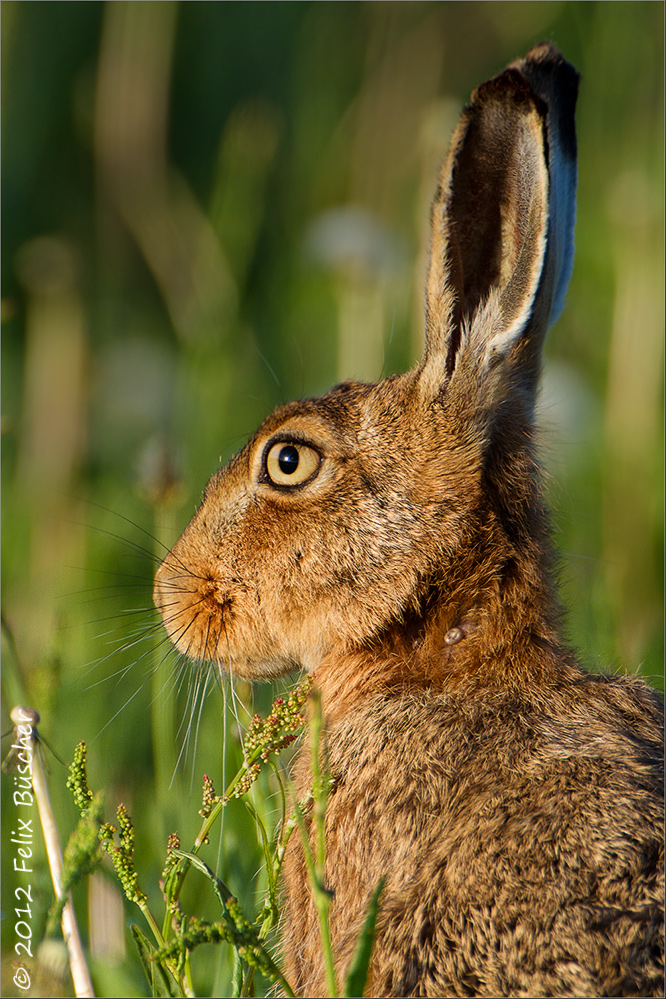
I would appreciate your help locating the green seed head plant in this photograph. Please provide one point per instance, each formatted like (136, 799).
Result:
(167, 958)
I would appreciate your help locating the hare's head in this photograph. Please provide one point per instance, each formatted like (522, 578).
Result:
(388, 509)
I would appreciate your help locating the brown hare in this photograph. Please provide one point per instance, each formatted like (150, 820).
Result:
(393, 539)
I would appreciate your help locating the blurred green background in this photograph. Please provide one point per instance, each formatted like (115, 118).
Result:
(212, 208)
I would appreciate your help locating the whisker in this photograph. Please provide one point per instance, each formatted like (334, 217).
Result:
(118, 712)
(114, 513)
(122, 672)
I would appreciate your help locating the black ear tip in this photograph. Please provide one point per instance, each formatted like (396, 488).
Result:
(543, 78)
(545, 62)
(546, 54)
(510, 85)
(556, 81)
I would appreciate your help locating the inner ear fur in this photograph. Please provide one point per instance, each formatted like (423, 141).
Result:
(497, 192)
(491, 275)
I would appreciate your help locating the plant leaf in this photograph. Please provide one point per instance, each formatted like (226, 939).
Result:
(358, 971)
(160, 979)
(221, 890)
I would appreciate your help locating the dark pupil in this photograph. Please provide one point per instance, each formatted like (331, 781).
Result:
(288, 459)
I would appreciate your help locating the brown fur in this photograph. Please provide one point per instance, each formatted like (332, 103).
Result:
(512, 800)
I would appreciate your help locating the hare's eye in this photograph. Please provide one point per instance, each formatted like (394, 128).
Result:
(291, 464)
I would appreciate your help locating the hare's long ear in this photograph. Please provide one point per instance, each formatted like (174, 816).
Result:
(502, 223)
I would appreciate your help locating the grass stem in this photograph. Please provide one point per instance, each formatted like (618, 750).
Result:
(25, 721)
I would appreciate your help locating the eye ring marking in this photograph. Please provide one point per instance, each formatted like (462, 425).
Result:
(289, 463)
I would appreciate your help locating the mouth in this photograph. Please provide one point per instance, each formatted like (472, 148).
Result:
(196, 611)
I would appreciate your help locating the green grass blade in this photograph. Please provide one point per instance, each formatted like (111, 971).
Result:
(358, 972)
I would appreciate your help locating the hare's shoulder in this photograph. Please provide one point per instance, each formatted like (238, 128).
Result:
(450, 737)
(570, 779)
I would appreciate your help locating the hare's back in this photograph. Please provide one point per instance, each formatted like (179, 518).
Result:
(522, 847)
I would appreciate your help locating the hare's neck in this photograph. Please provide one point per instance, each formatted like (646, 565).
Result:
(486, 620)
